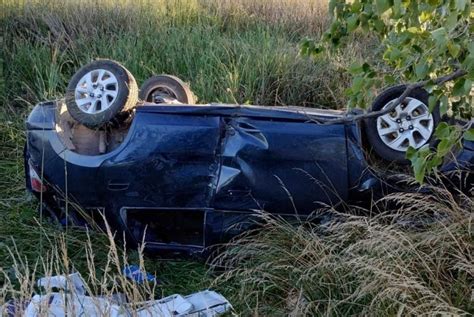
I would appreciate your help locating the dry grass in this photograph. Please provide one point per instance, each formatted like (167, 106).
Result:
(415, 259)
(19, 281)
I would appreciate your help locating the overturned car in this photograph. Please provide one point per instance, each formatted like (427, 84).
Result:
(181, 177)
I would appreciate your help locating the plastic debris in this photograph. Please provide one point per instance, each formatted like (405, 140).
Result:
(73, 301)
(134, 273)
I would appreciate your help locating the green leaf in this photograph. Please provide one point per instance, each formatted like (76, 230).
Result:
(419, 167)
(451, 21)
(411, 153)
(469, 135)
(395, 54)
(419, 161)
(382, 6)
(434, 162)
(444, 146)
(440, 36)
(332, 7)
(352, 22)
(470, 47)
(389, 79)
(425, 16)
(462, 87)
(417, 48)
(355, 69)
(443, 104)
(365, 67)
(460, 5)
(397, 8)
(357, 84)
(443, 130)
(379, 26)
(454, 49)
(421, 69)
(414, 30)
(432, 102)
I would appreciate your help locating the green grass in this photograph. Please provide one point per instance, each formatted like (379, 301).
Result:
(230, 51)
(226, 54)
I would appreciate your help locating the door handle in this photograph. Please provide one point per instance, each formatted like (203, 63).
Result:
(117, 186)
(238, 192)
(244, 126)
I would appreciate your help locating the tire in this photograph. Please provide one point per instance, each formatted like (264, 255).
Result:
(92, 100)
(166, 86)
(410, 125)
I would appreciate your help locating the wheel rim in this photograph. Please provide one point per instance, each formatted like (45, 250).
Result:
(96, 91)
(161, 91)
(409, 124)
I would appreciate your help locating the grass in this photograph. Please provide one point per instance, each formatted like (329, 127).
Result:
(358, 265)
(231, 51)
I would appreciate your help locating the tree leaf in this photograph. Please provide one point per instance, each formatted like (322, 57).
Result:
(352, 22)
(382, 6)
(440, 36)
(462, 87)
(444, 146)
(397, 8)
(421, 69)
(451, 21)
(355, 69)
(443, 104)
(357, 83)
(460, 5)
(454, 49)
(419, 167)
(432, 102)
(442, 131)
(469, 135)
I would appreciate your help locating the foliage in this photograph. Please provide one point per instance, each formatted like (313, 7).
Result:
(420, 41)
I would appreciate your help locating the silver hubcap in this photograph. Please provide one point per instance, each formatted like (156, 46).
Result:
(96, 91)
(409, 124)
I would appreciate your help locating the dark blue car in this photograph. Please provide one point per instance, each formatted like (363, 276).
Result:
(184, 177)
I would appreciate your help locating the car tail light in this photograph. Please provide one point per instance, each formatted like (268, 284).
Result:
(35, 180)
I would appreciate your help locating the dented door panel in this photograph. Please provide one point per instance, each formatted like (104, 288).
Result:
(281, 166)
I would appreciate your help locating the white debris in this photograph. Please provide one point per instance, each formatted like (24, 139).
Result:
(75, 302)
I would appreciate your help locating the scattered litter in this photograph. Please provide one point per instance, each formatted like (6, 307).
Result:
(134, 273)
(73, 301)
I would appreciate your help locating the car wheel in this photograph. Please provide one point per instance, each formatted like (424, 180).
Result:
(99, 91)
(165, 89)
(409, 124)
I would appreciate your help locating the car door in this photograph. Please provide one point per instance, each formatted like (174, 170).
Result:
(282, 166)
(160, 185)
(170, 161)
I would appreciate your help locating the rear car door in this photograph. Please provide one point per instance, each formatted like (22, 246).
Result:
(162, 182)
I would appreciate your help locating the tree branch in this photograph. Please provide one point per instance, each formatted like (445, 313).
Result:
(437, 81)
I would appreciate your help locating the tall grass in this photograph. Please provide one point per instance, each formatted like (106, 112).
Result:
(230, 51)
(415, 259)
